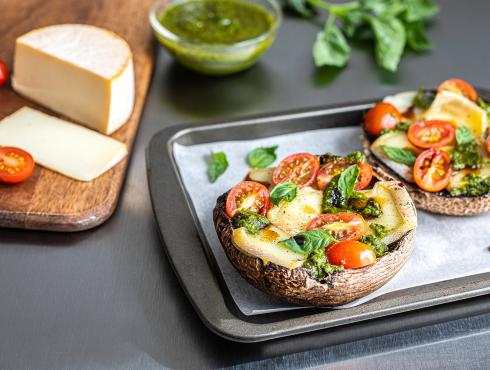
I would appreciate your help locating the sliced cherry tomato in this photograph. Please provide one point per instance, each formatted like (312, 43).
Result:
(381, 116)
(431, 133)
(332, 169)
(351, 254)
(487, 145)
(3, 73)
(300, 169)
(341, 225)
(365, 176)
(16, 165)
(460, 87)
(432, 170)
(248, 195)
(329, 171)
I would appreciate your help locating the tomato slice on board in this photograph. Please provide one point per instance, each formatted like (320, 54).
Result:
(351, 254)
(332, 169)
(432, 170)
(3, 73)
(365, 176)
(341, 225)
(459, 87)
(329, 171)
(16, 165)
(300, 169)
(250, 196)
(431, 133)
(381, 116)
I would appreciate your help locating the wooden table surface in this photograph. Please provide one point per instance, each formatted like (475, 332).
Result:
(107, 298)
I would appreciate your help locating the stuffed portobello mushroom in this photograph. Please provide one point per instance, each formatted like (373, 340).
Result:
(317, 230)
(438, 143)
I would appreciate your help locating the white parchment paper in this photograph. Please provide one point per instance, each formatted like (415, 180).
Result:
(446, 247)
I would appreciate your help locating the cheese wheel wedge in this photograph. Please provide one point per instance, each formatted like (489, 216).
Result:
(61, 146)
(83, 72)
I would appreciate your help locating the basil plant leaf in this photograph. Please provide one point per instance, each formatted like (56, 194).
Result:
(284, 191)
(302, 7)
(262, 157)
(464, 135)
(416, 37)
(390, 39)
(417, 10)
(331, 48)
(384, 7)
(400, 155)
(347, 181)
(308, 241)
(217, 166)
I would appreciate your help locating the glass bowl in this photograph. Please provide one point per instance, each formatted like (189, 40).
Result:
(215, 59)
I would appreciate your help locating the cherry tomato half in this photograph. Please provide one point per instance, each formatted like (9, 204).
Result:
(351, 254)
(341, 225)
(460, 87)
(487, 145)
(16, 165)
(381, 116)
(431, 133)
(432, 170)
(3, 73)
(365, 176)
(248, 195)
(300, 169)
(332, 169)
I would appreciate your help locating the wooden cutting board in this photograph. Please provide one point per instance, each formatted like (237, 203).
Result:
(49, 201)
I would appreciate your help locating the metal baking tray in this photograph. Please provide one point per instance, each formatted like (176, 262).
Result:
(187, 248)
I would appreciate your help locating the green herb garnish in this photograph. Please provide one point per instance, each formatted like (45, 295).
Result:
(392, 25)
(284, 191)
(308, 241)
(473, 186)
(251, 221)
(464, 135)
(217, 166)
(467, 153)
(424, 98)
(375, 240)
(400, 127)
(347, 181)
(262, 157)
(318, 265)
(400, 155)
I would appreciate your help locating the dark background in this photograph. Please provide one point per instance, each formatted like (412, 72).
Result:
(107, 298)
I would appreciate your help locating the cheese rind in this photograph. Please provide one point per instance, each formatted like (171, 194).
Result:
(61, 146)
(83, 72)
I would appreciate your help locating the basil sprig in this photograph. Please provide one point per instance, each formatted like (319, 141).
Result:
(308, 241)
(347, 181)
(464, 135)
(284, 191)
(217, 165)
(262, 157)
(400, 155)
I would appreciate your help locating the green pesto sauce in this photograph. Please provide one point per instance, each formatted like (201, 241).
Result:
(216, 21)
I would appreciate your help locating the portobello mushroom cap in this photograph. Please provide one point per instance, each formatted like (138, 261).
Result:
(296, 285)
(440, 202)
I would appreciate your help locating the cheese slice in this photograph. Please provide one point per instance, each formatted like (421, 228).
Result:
(83, 72)
(61, 146)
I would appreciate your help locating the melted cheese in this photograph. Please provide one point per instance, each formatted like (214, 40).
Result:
(292, 217)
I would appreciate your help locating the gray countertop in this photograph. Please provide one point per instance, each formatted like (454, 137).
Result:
(107, 298)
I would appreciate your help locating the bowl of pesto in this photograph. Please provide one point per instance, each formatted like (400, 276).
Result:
(216, 37)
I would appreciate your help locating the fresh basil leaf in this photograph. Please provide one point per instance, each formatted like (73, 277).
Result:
(400, 155)
(390, 38)
(330, 47)
(424, 98)
(302, 7)
(308, 241)
(347, 181)
(284, 191)
(464, 135)
(262, 157)
(351, 22)
(417, 10)
(217, 166)
(384, 7)
(416, 37)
